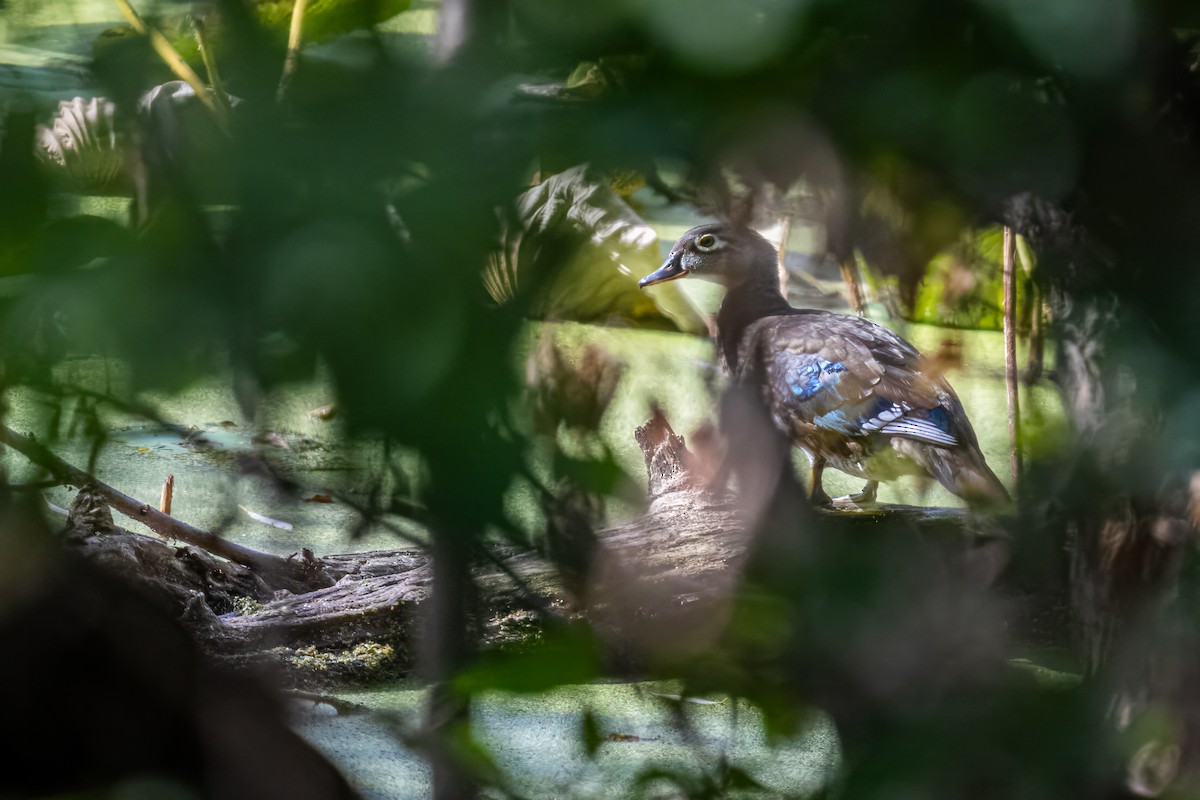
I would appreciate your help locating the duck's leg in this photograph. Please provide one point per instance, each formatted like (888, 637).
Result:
(867, 495)
(817, 495)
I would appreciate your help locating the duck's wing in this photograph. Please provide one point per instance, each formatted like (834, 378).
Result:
(851, 376)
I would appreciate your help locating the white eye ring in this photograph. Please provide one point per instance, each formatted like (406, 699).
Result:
(707, 243)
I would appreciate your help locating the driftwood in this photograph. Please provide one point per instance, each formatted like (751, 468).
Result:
(670, 571)
(179, 574)
(294, 574)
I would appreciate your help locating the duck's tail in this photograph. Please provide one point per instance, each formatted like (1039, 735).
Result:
(963, 471)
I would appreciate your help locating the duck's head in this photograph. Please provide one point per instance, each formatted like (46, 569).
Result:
(719, 251)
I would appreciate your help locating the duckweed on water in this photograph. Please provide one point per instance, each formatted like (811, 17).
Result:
(537, 741)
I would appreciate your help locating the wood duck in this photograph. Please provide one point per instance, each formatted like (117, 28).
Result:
(848, 391)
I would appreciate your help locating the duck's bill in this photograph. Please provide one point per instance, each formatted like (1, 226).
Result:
(669, 271)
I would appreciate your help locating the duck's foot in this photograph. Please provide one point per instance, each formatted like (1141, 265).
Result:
(868, 493)
(866, 496)
(819, 498)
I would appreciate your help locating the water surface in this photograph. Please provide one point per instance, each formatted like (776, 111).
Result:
(537, 741)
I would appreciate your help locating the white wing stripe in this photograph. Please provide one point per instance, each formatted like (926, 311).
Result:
(893, 421)
(883, 418)
(921, 429)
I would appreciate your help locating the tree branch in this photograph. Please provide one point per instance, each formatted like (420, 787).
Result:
(303, 574)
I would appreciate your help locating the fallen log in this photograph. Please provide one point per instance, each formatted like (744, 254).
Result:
(666, 577)
(179, 573)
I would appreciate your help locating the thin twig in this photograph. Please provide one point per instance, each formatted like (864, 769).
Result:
(168, 492)
(295, 37)
(133, 408)
(785, 233)
(849, 269)
(302, 572)
(204, 44)
(1035, 360)
(1010, 352)
(173, 60)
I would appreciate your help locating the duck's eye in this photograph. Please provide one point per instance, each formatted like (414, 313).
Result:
(707, 243)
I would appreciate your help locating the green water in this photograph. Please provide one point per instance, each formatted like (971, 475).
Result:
(212, 490)
(538, 743)
(672, 370)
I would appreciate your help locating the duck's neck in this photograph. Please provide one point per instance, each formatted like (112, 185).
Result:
(744, 305)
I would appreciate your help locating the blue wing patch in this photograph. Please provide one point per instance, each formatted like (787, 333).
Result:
(939, 417)
(814, 377)
(811, 378)
(837, 420)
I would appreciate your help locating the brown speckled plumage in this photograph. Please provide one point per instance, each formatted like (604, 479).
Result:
(849, 391)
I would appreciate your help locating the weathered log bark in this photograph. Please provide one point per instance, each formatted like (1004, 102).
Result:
(179, 574)
(671, 570)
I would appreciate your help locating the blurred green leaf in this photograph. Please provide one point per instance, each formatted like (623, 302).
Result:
(589, 733)
(562, 654)
(600, 475)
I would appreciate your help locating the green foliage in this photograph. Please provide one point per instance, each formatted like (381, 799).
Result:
(589, 733)
(964, 287)
(594, 277)
(723, 781)
(325, 19)
(346, 230)
(561, 655)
